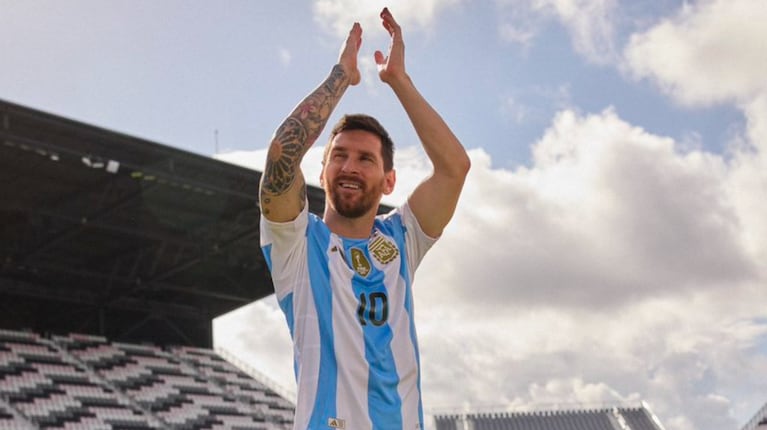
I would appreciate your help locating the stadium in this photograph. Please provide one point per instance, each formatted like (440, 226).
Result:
(117, 254)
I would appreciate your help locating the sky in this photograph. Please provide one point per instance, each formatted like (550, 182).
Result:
(610, 244)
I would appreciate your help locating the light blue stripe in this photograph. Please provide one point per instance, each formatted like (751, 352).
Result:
(384, 403)
(267, 251)
(286, 304)
(318, 237)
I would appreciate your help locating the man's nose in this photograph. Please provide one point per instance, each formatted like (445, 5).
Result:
(350, 166)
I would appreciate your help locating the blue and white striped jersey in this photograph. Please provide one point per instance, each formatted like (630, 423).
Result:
(349, 307)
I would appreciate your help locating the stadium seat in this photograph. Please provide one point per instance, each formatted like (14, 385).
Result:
(85, 381)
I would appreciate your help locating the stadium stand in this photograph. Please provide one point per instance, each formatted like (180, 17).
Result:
(608, 418)
(140, 246)
(236, 382)
(87, 382)
(448, 422)
(51, 391)
(759, 420)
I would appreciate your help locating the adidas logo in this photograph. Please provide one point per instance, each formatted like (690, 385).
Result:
(336, 423)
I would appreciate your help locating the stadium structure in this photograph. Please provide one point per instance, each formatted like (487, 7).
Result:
(759, 420)
(622, 417)
(116, 254)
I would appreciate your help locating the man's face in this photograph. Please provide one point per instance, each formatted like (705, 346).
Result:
(353, 173)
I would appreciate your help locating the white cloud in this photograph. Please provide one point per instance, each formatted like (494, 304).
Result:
(590, 24)
(534, 105)
(339, 15)
(514, 33)
(710, 52)
(639, 205)
(748, 182)
(284, 56)
(369, 71)
(614, 268)
(513, 109)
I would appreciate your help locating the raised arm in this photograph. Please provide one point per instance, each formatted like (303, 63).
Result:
(282, 193)
(433, 202)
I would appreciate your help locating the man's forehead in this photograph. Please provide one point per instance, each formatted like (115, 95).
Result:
(362, 142)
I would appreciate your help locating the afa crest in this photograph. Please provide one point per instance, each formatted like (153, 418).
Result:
(383, 250)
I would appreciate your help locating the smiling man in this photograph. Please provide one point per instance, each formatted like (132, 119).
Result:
(344, 281)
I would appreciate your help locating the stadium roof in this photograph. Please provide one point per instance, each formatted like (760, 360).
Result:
(604, 418)
(109, 234)
(758, 421)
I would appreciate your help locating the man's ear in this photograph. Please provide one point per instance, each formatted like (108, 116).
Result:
(390, 178)
(322, 176)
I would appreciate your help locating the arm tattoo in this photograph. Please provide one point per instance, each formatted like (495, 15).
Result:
(337, 82)
(297, 133)
(284, 156)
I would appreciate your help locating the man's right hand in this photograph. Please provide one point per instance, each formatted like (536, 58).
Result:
(348, 57)
(282, 193)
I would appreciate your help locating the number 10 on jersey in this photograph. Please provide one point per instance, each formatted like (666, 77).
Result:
(373, 308)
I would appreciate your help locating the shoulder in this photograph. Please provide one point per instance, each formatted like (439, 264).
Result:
(306, 224)
(391, 219)
(402, 217)
(402, 225)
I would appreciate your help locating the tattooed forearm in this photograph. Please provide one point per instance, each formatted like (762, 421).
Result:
(337, 82)
(299, 131)
(315, 110)
(284, 156)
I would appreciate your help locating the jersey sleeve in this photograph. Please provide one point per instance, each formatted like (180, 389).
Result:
(284, 247)
(417, 242)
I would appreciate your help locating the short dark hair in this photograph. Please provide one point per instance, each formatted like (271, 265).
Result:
(359, 121)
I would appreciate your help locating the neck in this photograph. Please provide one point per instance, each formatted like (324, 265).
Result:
(352, 228)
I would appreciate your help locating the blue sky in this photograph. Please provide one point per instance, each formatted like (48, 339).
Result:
(616, 206)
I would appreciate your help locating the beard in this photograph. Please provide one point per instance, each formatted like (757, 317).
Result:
(358, 205)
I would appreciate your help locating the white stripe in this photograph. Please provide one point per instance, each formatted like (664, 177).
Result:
(403, 350)
(307, 333)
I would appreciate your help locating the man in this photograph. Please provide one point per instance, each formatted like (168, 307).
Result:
(344, 281)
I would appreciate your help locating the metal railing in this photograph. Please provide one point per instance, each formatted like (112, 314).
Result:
(760, 415)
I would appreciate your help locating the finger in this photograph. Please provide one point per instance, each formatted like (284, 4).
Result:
(386, 13)
(355, 35)
(379, 57)
(388, 20)
(389, 23)
(351, 46)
